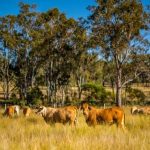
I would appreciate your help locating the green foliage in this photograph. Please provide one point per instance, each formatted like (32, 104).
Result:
(13, 101)
(22, 103)
(37, 102)
(136, 94)
(13, 96)
(97, 92)
(116, 28)
(34, 96)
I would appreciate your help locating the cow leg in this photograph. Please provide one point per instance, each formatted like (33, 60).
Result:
(75, 121)
(91, 122)
(111, 122)
(120, 124)
(72, 123)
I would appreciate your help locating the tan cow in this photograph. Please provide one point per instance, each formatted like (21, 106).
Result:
(27, 111)
(140, 110)
(94, 116)
(63, 115)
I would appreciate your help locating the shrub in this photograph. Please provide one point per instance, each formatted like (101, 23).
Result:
(13, 96)
(37, 102)
(135, 95)
(34, 96)
(97, 92)
(22, 103)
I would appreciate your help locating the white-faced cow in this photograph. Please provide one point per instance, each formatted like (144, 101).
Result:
(63, 115)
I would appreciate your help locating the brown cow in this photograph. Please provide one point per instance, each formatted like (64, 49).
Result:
(10, 111)
(96, 116)
(140, 110)
(27, 111)
(63, 115)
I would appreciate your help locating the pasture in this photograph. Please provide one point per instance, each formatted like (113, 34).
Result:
(32, 133)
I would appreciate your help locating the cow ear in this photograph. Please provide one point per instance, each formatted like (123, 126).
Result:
(89, 107)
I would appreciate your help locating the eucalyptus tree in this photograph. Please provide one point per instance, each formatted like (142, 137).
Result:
(89, 69)
(7, 44)
(58, 41)
(25, 23)
(115, 26)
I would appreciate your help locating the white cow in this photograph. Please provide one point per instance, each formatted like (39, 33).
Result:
(16, 109)
(140, 110)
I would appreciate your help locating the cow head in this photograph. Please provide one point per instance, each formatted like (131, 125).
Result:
(86, 108)
(134, 110)
(16, 109)
(42, 111)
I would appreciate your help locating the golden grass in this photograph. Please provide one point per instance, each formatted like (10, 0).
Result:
(33, 133)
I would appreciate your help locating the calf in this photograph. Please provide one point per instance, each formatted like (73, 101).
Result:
(96, 116)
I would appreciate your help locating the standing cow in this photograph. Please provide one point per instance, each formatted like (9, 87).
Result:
(94, 116)
(63, 115)
(27, 111)
(12, 110)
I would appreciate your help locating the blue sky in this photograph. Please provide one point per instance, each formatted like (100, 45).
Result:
(72, 8)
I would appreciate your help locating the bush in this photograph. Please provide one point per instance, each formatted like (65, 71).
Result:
(97, 91)
(34, 96)
(22, 103)
(37, 102)
(136, 95)
(13, 96)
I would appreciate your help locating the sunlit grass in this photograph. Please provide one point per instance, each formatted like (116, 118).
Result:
(33, 133)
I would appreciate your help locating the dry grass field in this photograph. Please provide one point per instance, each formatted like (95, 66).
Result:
(33, 133)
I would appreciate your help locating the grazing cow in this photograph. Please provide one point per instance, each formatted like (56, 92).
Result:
(9, 111)
(63, 115)
(140, 110)
(96, 116)
(27, 111)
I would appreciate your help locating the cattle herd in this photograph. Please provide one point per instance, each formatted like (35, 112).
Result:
(11, 111)
(69, 114)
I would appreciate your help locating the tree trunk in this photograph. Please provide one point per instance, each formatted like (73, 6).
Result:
(25, 87)
(7, 88)
(79, 84)
(63, 96)
(112, 86)
(118, 87)
(48, 91)
(33, 79)
(6, 81)
(4, 88)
